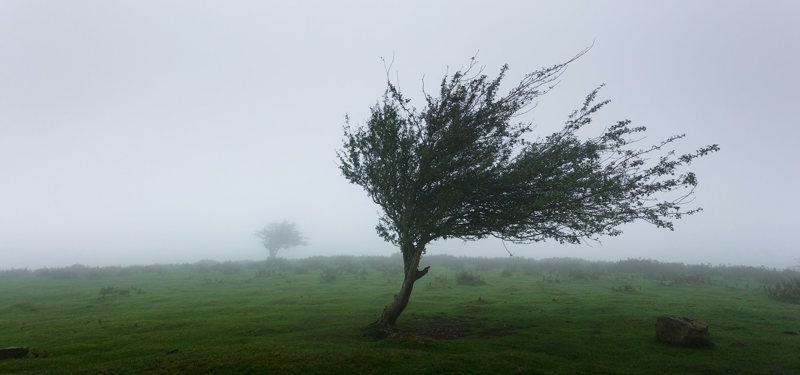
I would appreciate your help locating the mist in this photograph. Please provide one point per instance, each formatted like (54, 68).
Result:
(169, 132)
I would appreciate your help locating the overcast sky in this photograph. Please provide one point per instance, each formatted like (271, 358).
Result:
(138, 132)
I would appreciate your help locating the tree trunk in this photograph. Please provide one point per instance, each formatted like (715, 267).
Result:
(391, 313)
(273, 254)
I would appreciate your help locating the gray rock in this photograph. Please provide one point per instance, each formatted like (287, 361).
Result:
(14, 352)
(682, 330)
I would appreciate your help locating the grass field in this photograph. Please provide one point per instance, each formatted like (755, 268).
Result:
(510, 316)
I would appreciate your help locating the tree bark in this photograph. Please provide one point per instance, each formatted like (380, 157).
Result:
(391, 313)
(273, 254)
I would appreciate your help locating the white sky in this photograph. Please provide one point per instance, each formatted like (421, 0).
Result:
(136, 132)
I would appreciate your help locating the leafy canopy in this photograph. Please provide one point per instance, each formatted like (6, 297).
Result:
(276, 236)
(462, 167)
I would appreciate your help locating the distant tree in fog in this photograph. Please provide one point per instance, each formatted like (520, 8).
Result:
(463, 167)
(276, 236)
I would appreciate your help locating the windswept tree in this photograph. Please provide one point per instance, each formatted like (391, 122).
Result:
(463, 167)
(276, 236)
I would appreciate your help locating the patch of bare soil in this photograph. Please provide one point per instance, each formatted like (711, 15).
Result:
(504, 330)
(446, 327)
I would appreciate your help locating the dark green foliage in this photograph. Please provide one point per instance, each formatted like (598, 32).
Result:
(786, 291)
(463, 167)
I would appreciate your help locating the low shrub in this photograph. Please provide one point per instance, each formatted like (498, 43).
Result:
(329, 275)
(785, 291)
(15, 272)
(687, 280)
(270, 272)
(625, 288)
(469, 279)
(66, 273)
(582, 274)
(108, 291)
(550, 278)
(439, 282)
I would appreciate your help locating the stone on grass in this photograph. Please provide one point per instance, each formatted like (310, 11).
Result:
(682, 330)
(14, 352)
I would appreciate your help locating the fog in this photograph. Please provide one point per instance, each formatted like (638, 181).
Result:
(170, 131)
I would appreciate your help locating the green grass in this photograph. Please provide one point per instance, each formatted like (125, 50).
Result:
(256, 319)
